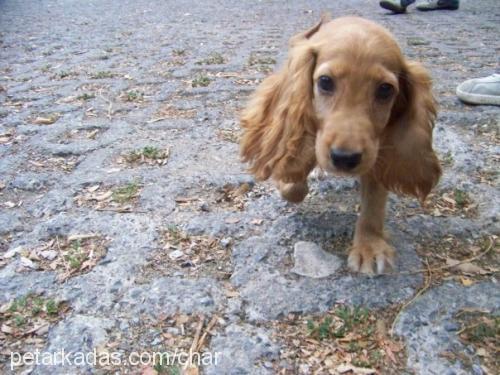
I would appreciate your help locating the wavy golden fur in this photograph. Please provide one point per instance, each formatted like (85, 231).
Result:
(347, 101)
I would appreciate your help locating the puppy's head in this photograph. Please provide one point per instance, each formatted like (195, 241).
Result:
(348, 101)
(356, 83)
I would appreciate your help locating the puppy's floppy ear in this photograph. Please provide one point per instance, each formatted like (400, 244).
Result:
(279, 126)
(300, 37)
(406, 162)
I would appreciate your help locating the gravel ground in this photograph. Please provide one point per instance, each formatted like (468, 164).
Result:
(122, 197)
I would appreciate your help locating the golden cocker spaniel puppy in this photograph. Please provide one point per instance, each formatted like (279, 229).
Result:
(346, 101)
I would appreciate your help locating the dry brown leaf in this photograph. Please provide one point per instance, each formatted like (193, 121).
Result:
(9, 204)
(390, 354)
(103, 196)
(191, 370)
(466, 282)
(185, 199)
(467, 268)
(6, 329)
(231, 293)
(85, 236)
(356, 370)
(88, 264)
(182, 319)
(46, 120)
(481, 352)
(381, 329)
(148, 371)
(5, 307)
(92, 189)
(40, 329)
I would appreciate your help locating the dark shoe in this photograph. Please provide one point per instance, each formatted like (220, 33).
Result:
(438, 4)
(396, 6)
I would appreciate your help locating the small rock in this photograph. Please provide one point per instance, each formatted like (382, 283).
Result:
(176, 254)
(173, 331)
(312, 261)
(304, 368)
(225, 242)
(156, 341)
(48, 254)
(476, 370)
(268, 364)
(204, 207)
(135, 321)
(12, 252)
(116, 287)
(28, 263)
(450, 327)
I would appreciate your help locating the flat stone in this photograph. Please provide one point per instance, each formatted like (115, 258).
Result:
(28, 263)
(48, 254)
(176, 254)
(312, 261)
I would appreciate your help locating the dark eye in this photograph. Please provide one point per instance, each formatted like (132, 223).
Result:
(326, 84)
(384, 91)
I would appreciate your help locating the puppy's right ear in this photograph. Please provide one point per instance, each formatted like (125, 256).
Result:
(325, 17)
(406, 162)
(279, 125)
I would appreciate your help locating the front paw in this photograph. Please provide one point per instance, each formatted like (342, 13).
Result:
(294, 192)
(366, 254)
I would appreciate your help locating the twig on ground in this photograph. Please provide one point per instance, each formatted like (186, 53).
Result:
(419, 293)
(110, 104)
(194, 345)
(207, 330)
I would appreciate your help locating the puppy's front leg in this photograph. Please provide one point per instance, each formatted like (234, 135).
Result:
(369, 244)
(294, 192)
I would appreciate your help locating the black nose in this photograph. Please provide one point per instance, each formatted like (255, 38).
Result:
(345, 160)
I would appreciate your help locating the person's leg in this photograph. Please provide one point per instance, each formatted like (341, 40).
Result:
(397, 6)
(484, 90)
(438, 4)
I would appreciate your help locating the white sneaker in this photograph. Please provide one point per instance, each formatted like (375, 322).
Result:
(484, 90)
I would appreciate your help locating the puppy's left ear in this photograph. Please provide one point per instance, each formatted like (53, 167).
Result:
(279, 124)
(406, 162)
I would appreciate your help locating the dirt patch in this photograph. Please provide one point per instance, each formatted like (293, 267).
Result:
(37, 162)
(456, 202)
(465, 261)
(229, 197)
(67, 256)
(193, 256)
(480, 329)
(82, 134)
(148, 155)
(25, 324)
(190, 335)
(169, 111)
(261, 61)
(123, 198)
(345, 340)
